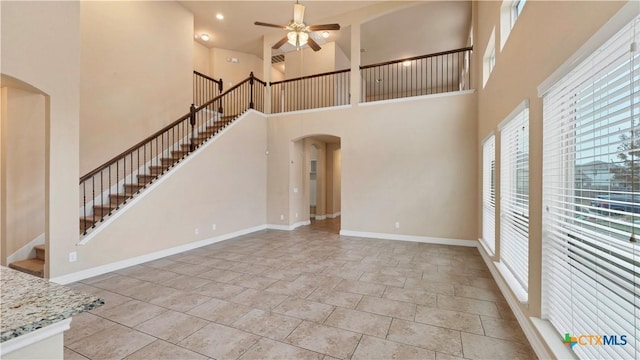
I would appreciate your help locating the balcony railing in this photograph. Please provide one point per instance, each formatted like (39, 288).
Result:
(421, 75)
(311, 92)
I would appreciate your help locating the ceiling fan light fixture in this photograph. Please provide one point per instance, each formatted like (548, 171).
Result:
(303, 37)
(219, 16)
(204, 37)
(325, 34)
(297, 38)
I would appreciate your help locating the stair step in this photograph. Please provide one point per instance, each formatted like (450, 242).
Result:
(119, 198)
(157, 169)
(179, 153)
(40, 249)
(133, 188)
(103, 210)
(146, 178)
(188, 146)
(168, 161)
(33, 267)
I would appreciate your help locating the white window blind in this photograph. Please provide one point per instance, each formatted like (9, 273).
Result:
(489, 193)
(514, 195)
(591, 187)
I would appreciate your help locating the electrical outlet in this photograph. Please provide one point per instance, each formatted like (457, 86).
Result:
(397, 225)
(295, 190)
(281, 216)
(213, 227)
(296, 215)
(196, 231)
(73, 256)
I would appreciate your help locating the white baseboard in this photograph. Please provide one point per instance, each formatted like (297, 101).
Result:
(334, 215)
(413, 238)
(103, 269)
(26, 251)
(527, 327)
(288, 227)
(321, 217)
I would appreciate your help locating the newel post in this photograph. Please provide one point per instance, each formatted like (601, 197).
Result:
(220, 93)
(192, 121)
(251, 90)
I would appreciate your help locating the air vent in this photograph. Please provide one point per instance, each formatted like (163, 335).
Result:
(277, 59)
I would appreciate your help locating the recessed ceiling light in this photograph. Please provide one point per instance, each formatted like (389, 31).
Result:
(204, 37)
(406, 63)
(325, 34)
(219, 16)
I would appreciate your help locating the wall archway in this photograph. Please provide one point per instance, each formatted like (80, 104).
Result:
(315, 157)
(23, 162)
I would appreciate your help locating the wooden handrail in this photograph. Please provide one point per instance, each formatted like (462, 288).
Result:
(210, 102)
(310, 76)
(164, 129)
(470, 48)
(207, 77)
(129, 150)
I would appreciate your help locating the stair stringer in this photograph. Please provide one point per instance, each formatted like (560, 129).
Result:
(131, 203)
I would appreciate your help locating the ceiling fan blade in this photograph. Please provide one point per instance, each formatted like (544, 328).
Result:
(280, 43)
(298, 13)
(283, 27)
(313, 44)
(324, 27)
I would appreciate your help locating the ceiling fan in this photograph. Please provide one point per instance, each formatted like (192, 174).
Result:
(298, 31)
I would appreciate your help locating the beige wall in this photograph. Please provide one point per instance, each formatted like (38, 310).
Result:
(24, 168)
(333, 178)
(201, 58)
(415, 171)
(233, 73)
(545, 35)
(308, 62)
(136, 73)
(321, 174)
(228, 191)
(41, 47)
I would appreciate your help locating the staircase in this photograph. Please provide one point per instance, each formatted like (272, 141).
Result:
(112, 184)
(34, 266)
(129, 190)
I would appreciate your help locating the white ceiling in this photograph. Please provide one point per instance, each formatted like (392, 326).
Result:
(423, 27)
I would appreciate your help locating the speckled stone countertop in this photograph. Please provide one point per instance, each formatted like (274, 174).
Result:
(28, 303)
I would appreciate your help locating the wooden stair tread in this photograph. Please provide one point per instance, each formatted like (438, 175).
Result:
(33, 267)
(40, 252)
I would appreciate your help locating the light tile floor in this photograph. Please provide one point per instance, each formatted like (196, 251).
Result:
(305, 294)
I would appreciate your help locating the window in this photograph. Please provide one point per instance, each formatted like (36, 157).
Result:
(489, 59)
(514, 200)
(509, 13)
(489, 194)
(516, 10)
(591, 203)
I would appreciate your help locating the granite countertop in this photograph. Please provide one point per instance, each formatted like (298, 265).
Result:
(28, 303)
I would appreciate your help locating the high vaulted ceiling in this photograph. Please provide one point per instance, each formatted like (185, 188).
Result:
(417, 28)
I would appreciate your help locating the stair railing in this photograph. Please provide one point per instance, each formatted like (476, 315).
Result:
(311, 92)
(109, 186)
(205, 88)
(421, 75)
